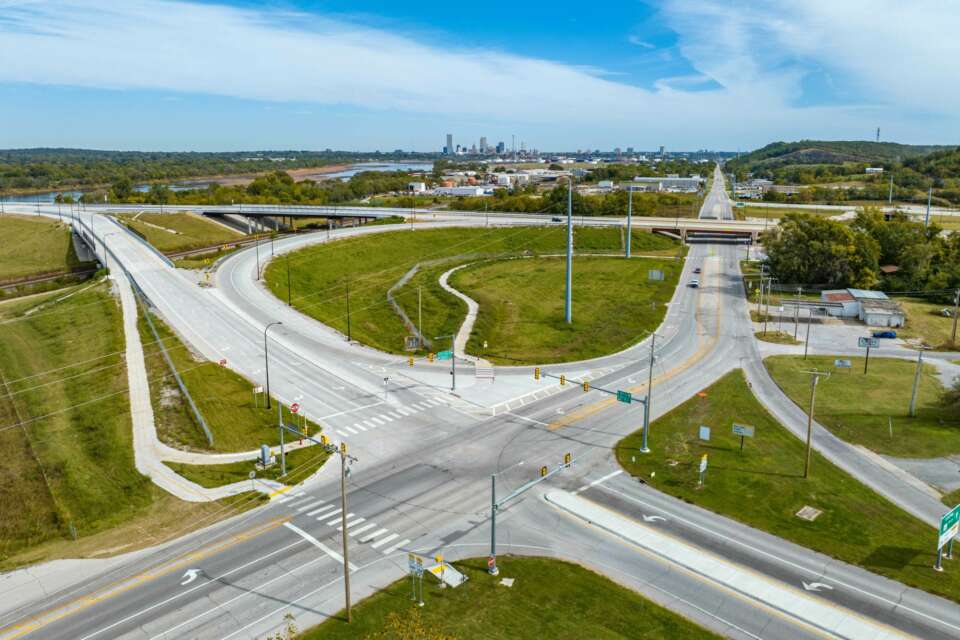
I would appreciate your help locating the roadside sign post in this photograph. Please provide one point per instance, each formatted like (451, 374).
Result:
(869, 343)
(743, 431)
(703, 470)
(949, 527)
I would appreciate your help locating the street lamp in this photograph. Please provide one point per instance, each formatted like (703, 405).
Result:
(266, 360)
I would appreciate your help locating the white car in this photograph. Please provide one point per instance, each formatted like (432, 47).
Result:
(695, 283)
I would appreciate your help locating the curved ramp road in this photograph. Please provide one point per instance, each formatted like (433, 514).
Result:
(422, 482)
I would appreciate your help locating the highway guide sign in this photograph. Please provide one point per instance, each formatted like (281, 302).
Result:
(444, 355)
(624, 396)
(949, 526)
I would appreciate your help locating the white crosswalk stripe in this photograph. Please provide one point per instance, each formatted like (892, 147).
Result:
(298, 502)
(341, 434)
(404, 411)
(311, 505)
(395, 414)
(382, 541)
(393, 548)
(337, 519)
(321, 510)
(370, 424)
(327, 515)
(352, 532)
(359, 426)
(351, 523)
(371, 536)
(350, 430)
(385, 418)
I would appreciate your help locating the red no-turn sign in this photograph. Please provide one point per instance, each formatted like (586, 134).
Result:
(294, 407)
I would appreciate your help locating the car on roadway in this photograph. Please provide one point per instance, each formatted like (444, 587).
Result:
(884, 334)
(556, 219)
(698, 270)
(694, 284)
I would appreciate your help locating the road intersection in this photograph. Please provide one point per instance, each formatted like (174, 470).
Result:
(422, 479)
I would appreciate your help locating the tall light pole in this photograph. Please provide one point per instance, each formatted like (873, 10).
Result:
(568, 300)
(288, 279)
(266, 359)
(646, 403)
(956, 309)
(629, 220)
(916, 385)
(813, 399)
(349, 336)
(344, 471)
(926, 221)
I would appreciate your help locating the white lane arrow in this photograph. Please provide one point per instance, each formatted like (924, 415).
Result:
(816, 586)
(189, 576)
(654, 518)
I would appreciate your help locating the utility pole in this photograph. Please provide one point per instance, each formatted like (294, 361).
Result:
(916, 386)
(956, 308)
(343, 525)
(568, 301)
(266, 359)
(813, 398)
(646, 403)
(926, 221)
(890, 194)
(629, 221)
(420, 312)
(806, 341)
(349, 335)
(796, 313)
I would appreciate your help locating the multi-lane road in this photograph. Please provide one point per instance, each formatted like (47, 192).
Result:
(422, 482)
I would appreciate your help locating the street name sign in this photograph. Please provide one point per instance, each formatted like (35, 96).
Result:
(949, 525)
(624, 396)
(444, 355)
(742, 430)
(868, 342)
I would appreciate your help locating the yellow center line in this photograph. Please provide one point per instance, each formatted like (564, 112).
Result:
(704, 348)
(120, 587)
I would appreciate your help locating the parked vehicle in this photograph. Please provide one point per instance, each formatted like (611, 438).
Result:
(946, 312)
(884, 334)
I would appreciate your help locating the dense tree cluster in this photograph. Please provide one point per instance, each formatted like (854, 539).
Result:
(624, 172)
(555, 201)
(814, 250)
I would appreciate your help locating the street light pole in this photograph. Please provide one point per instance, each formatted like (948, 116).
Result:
(629, 220)
(343, 527)
(813, 398)
(349, 335)
(956, 309)
(288, 279)
(646, 403)
(266, 359)
(257, 244)
(916, 386)
(568, 300)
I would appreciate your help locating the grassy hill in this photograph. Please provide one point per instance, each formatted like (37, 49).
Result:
(778, 154)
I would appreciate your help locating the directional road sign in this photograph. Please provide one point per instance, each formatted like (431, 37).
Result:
(864, 342)
(842, 364)
(742, 430)
(444, 355)
(624, 396)
(949, 525)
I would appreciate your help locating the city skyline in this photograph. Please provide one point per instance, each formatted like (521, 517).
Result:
(162, 75)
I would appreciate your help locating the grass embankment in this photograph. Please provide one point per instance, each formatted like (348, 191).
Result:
(301, 463)
(926, 322)
(178, 231)
(521, 306)
(34, 246)
(858, 408)
(549, 599)
(375, 263)
(777, 337)
(224, 398)
(778, 212)
(764, 487)
(66, 438)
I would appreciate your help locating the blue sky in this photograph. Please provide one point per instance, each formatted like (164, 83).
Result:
(313, 74)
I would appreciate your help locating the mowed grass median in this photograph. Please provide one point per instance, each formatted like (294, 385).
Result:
(549, 599)
(171, 232)
(873, 409)
(32, 245)
(66, 437)
(764, 487)
(368, 266)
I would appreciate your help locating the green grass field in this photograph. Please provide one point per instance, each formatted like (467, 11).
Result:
(926, 323)
(169, 232)
(778, 212)
(548, 599)
(371, 265)
(857, 407)
(224, 398)
(778, 337)
(521, 306)
(65, 436)
(764, 487)
(301, 463)
(34, 245)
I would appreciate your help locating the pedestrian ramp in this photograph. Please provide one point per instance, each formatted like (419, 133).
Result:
(445, 573)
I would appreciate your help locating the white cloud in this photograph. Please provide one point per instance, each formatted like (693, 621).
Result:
(640, 42)
(757, 55)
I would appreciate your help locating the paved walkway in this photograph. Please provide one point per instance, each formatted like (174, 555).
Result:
(483, 367)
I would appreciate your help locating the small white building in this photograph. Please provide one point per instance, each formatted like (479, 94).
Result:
(849, 308)
(873, 308)
(873, 170)
(605, 184)
(460, 191)
(417, 187)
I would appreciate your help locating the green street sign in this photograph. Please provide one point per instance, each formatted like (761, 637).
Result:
(949, 525)
(444, 355)
(624, 396)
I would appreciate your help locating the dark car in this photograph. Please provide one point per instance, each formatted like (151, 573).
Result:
(556, 219)
(884, 334)
(698, 270)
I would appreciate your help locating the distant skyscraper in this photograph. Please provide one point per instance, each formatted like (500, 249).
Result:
(449, 148)
(661, 150)
(501, 147)
(483, 144)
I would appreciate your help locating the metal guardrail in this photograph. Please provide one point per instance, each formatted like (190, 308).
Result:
(142, 241)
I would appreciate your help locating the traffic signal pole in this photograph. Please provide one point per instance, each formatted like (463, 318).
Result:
(568, 300)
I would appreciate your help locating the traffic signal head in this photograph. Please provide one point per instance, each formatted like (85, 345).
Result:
(543, 472)
(563, 379)
(567, 458)
(324, 440)
(410, 361)
(431, 356)
(586, 386)
(536, 373)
